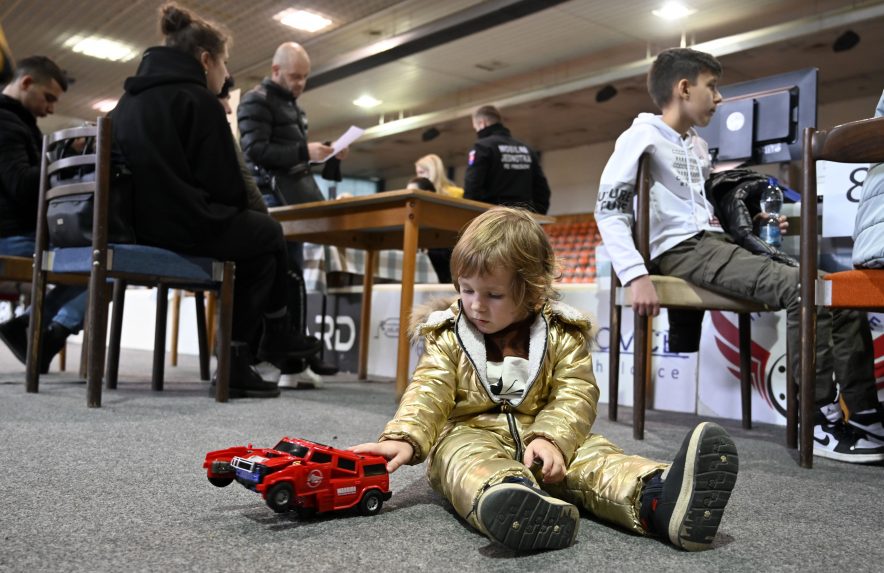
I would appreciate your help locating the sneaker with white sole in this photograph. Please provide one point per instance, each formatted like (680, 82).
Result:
(268, 372)
(870, 422)
(687, 507)
(301, 380)
(523, 517)
(842, 442)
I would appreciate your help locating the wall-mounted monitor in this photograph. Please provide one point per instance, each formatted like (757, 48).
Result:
(761, 121)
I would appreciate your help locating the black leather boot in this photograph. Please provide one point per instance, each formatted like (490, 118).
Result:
(54, 338)
(14, 333)
(245, 382)
(279, 343)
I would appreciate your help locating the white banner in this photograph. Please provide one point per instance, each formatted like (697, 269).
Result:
(840, 184)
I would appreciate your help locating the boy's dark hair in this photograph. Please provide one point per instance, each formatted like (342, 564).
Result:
(42, 69)
(674, 65)
(422, 183)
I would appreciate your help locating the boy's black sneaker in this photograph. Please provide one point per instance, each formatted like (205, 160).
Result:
(279, 343)
(871, 422)
(523, 517)
(842, 442)
(696, 488)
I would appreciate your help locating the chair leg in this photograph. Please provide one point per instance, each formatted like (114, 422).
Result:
(38, 295)
(806, 400)
(225, 305)
(642, 363)
(63, 358)
(176, 311)
(791, 401)
(116, 333)
(745, 325)
(84, 349)
(159, 339)
(614, 351)
(199, 299)
(211, 303)
(97, 319)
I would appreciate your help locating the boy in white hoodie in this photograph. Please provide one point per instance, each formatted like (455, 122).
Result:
(687, 241)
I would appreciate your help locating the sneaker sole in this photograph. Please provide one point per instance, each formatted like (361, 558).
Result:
(524, 520)
(849, 458)
(710, 473)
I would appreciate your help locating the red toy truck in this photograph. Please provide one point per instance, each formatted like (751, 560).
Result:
(300, 475)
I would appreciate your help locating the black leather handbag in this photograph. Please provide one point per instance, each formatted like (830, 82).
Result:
(69, 218)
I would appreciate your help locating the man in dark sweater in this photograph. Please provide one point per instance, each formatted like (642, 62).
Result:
(501, 169)
(33, 92)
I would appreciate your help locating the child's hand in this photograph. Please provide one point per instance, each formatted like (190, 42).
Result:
(553, 462)
(644, 296)
(396, 452)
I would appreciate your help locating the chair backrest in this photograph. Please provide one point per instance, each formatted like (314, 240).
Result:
(54, 185)
(642, 229)
(855, 142)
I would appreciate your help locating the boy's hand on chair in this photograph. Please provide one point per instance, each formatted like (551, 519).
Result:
(644, 296)
(396, 452)
(549, 455)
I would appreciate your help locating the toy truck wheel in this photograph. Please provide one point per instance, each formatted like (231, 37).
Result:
(220, 481)
(371, 503)
(280, 497)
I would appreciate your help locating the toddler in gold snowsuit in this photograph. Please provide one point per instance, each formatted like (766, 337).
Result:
(505, 384)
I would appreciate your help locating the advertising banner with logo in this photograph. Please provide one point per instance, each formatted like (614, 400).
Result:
(706, 383)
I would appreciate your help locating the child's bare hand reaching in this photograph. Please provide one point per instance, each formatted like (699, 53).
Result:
(546, 452)
(395, 452)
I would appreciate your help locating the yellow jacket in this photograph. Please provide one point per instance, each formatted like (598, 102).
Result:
(449, 388)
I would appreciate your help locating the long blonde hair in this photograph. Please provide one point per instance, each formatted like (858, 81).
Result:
(509, 238)
(435, 172)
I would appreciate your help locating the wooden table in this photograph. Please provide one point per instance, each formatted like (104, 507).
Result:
(405, 220)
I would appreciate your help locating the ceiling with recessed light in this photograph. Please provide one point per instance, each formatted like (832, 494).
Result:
(545, 69)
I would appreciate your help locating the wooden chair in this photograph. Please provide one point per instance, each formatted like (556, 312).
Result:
(673, 293)
(123, 263)
(855, 142)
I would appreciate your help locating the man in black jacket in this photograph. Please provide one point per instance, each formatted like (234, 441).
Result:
(503, 170)
(273, 137)
(33, 92)
(273, 131)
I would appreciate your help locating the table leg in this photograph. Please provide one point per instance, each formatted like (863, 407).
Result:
(365, 314)
(409, 261)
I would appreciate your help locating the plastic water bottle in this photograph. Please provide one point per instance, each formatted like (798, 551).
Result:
(771, 203)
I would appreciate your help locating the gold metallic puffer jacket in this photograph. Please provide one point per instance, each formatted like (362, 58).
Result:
(449, 388)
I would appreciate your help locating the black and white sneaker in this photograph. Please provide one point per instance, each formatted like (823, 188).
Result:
(520, 515)
(870, 422)
(696, 488)
(842, 442)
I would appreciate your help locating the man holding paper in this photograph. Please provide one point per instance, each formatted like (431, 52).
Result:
(273, 137)
(273, 131)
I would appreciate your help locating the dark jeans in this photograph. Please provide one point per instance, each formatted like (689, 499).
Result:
(254, 241)
(844, 340)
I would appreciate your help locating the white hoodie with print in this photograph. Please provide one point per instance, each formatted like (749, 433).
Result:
(678, 205)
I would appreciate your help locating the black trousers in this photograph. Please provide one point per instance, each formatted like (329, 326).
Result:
(254, 241)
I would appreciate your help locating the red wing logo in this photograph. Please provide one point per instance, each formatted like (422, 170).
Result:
(727, 338)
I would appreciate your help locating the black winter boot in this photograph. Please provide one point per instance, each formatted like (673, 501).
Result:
(245, 382)
(14, 333)
(279, 343)
(54, 338)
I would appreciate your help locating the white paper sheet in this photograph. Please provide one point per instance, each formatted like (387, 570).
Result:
(343, 142)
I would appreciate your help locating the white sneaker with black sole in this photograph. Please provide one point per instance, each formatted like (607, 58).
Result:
(842, 442)
(304, 379)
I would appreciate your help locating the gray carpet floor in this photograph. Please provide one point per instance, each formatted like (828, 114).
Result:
(121, 488)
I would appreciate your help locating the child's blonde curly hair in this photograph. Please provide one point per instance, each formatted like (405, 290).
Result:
(509, 238)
